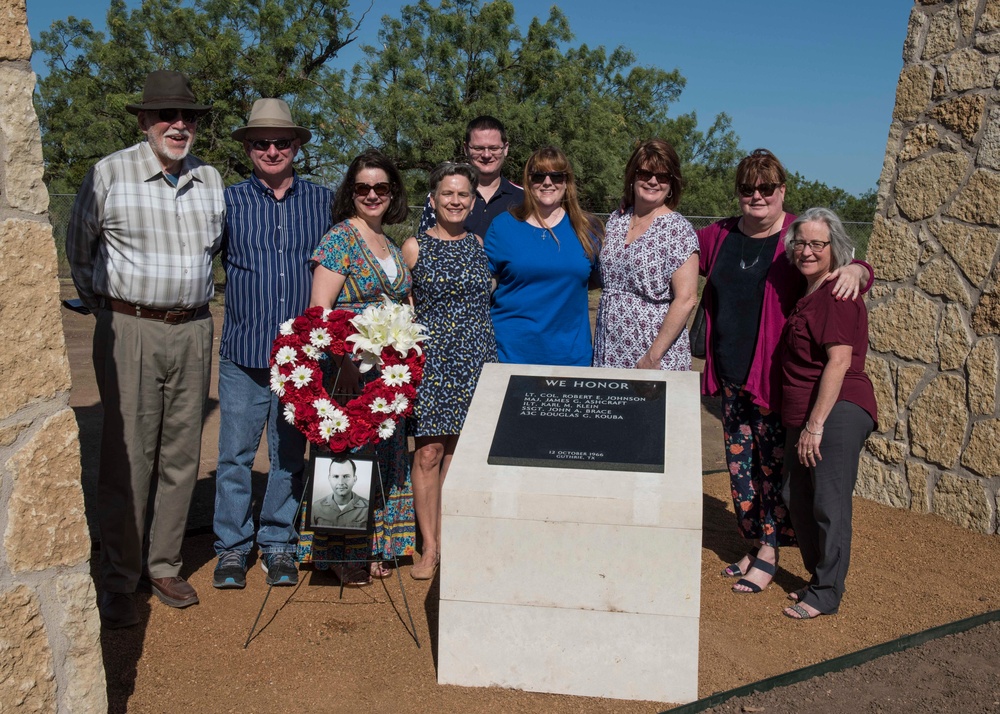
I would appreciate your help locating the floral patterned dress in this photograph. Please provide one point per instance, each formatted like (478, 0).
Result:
(637, 291)
(343, 250)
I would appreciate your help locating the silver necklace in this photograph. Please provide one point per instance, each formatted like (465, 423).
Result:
(743, 262)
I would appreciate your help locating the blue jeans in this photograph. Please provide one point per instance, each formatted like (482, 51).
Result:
(246, 406)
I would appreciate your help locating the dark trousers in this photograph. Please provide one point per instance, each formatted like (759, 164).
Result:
(819, 500)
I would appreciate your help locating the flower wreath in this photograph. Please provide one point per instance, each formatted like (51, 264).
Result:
(384, 335)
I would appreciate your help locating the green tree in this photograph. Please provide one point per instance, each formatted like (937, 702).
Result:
(234, 51)
(438, 67)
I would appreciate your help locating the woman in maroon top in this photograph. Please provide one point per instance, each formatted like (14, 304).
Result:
(827, 407)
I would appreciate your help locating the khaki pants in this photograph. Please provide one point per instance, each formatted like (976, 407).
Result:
(153, 379)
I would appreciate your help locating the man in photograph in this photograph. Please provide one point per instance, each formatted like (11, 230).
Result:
(343, 508)
(145, 225)
(274, 221)
(486, 148)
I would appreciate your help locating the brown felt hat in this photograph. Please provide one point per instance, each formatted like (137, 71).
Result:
(272, 114)
(166, 89)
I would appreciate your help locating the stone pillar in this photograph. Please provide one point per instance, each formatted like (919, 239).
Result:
(50, 649)
(935, 312)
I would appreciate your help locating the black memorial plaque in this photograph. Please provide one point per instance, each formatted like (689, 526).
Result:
(573, 422)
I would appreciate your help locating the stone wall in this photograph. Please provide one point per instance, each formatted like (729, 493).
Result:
(935, 312)
(50, 649)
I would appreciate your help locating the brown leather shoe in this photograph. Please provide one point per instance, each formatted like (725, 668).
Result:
(175, 591)
(117, 610)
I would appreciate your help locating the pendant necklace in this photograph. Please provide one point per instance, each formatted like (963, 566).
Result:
(743, 245)
(743, 262)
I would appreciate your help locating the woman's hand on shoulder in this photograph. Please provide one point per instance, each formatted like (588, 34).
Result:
(849, 280)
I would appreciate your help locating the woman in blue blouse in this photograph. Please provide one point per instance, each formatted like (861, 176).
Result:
(543, 255)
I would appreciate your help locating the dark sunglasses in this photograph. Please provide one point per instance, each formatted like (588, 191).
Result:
(540, 176)
(190, 116)
(381, 189)
(661, 176)
(765, 189)
(265, 144)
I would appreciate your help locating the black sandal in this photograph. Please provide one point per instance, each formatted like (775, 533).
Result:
(733, 569)
(764, 567)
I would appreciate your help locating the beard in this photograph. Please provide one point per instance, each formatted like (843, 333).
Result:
(166, 151)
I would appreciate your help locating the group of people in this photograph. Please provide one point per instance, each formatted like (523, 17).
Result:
(496, 272)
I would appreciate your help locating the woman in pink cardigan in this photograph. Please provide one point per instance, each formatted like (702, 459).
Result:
(751, 289)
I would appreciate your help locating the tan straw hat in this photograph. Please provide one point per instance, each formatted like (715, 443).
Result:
(166, 89)
(272, 114)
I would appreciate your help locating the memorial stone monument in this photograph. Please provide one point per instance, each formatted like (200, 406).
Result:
(572, 532)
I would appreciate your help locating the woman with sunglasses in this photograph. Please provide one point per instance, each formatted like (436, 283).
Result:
(451, 292)
(649, 269)
(543, 254)
(827, 406)
(751, 289)
(355, 265)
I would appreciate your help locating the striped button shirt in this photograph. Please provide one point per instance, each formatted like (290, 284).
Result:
(266, 255)
(136, 237)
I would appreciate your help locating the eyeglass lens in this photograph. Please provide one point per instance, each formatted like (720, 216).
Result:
(190, 116)
(644, 175)
(265, 144)
(764, 189)
(540, 176)
(381, 189)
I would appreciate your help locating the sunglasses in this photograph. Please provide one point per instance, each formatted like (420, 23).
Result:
(538, 177)
(764, 189)
(363, 189)
(190, 116)
(661, 176)
(265, 144)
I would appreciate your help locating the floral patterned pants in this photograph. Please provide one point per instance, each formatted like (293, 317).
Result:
(755, 449)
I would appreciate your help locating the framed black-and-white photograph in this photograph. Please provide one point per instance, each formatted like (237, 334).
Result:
(339, 498)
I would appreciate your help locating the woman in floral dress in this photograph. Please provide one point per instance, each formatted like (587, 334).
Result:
(356, 264)
(451, 289)
(649, 268)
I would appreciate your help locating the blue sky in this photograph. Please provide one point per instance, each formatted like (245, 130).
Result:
(812, 81)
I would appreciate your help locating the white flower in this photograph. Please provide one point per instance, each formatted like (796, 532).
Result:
(338, 421)
(286, 327)
(301, 376)
(326, 314)
(290, 413)
(285, 355)
(400, 403)
(396, 375)
(319, 337)
(324, 408)
(310, 352)
(329, 427)
(386, 429)
(381, 406)
(278, 383)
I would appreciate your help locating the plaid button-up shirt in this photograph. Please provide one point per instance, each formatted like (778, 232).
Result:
(136, 237)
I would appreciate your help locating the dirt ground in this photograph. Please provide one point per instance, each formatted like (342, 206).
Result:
(316, 651)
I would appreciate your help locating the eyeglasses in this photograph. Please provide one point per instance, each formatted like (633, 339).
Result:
(816, 246)
(265, 144)
(381, 189)
(190, 116)
(486, 149)
(538, 177)
(661, 176)
(764, 189)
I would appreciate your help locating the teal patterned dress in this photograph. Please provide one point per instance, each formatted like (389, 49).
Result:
(451, 288)
(344, 251)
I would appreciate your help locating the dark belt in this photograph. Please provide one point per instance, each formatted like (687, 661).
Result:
(170, 317)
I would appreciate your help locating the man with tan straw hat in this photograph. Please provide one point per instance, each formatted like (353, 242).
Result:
(141, 236)
(274, 220)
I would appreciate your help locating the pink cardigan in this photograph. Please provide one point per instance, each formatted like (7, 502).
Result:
(782, 290)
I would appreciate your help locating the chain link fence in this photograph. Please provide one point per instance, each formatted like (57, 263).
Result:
(60, 206)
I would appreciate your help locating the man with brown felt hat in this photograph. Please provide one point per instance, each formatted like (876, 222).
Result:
(274, 221)
(141, 237)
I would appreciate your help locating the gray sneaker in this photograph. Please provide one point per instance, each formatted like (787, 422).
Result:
(231, 571)
(281, 568)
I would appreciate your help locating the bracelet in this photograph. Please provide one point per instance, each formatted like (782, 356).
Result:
(814, 433)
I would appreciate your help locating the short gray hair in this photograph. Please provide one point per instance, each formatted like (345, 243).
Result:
(453, 168)
(841, 245)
